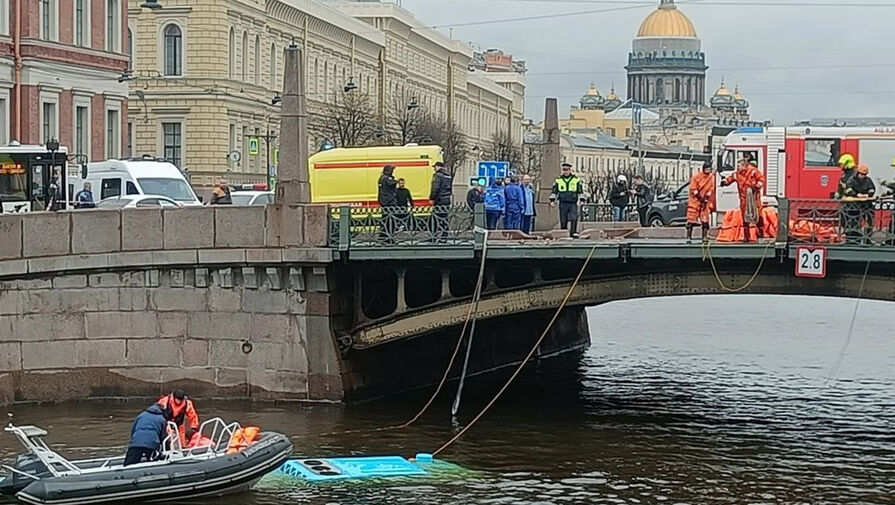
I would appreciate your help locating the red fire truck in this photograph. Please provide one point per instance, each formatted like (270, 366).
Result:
(801, 162)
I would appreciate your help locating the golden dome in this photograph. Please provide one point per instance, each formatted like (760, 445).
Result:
(667, 21)
(722, 91)
(592, 90)
(737, 94)
(612, 95)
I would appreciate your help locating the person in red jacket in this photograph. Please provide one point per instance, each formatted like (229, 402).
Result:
(180, 409)
(701, 202)
(750, 183)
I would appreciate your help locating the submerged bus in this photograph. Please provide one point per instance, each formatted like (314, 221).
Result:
(26, 172)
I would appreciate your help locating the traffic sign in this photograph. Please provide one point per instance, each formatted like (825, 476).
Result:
(636, 114)
(494, 169)
(811, 262)
(253, 146)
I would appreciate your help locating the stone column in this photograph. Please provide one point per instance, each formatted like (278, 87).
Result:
(293, 186)
(548, 217)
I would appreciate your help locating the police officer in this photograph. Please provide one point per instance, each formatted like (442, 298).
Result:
(567, 189)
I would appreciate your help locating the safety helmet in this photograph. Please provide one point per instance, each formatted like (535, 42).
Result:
(622, 178)
(847, 161)
(863, 169)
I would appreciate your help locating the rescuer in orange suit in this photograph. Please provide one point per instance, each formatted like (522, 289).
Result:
(179, 408)
(750, 181)
(701, 202)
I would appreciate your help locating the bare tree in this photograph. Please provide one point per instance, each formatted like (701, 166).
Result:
(504, 148)
(404, 121)
(349, 121)
(531, 159)
(437, 130)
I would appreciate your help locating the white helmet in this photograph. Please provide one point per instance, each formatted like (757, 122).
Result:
(622, 178)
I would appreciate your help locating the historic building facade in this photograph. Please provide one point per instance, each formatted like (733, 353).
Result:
(207, 77)
(59, 66)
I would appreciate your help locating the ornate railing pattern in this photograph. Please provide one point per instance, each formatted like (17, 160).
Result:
(847, 222)
(602, 213)
(375, 227)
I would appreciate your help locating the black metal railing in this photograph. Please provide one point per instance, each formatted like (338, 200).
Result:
(602, 213)
(373, 227)
(844, 222)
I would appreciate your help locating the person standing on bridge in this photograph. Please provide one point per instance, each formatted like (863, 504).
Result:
(847, 164)
(388, 199)
(495, 204)
(567, 189)
(750, 183)
(860, 193)
(514, 196)
(441, 194)
(620, 198)
(701, 202)
(530, 208)
(643, 198)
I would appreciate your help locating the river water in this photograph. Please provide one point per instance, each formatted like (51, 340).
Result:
(697, 400)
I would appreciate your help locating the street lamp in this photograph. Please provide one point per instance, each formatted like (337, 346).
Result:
(151, 4)
(414, 104)
(268, 138)
(350, 86)
(52, 146)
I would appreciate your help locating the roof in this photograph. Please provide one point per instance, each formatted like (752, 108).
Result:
(625, 112)
(667, 21)
(594, 139)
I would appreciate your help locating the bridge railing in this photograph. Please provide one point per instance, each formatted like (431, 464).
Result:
(374, 227)
(841, 222)
(602, 213)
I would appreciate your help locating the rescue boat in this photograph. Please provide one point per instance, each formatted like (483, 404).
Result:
(224, 462)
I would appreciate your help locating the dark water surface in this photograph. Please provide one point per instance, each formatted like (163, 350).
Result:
(696, 400)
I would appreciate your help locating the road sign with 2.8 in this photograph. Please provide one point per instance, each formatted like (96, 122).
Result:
(811, 262)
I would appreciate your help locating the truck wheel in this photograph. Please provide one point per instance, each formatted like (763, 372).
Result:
(656, 221)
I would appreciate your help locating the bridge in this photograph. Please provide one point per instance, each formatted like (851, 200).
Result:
(311, 302)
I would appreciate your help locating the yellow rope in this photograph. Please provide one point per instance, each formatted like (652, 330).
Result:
(707, 253)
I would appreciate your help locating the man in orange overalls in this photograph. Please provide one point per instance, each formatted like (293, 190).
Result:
(180, 409)
(750, 183)
(701, 202)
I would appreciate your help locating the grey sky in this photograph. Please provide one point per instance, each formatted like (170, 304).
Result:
(764, 49)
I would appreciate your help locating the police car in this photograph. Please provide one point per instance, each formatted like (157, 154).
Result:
(251, 194)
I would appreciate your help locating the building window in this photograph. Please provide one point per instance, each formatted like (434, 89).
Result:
(81, 23)
(113, 139)
(4, 109)
(49, 25)
(232, 71)
(173, 50)
(244, 61)
(112, 28)
(48, 121)
(130, 139)
(257, 57)
(172, 142)
(130, 49)
(82, 120)
(273, 67)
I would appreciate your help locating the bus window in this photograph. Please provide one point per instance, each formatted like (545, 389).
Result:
(821, 152)
(131, 189)
(110, 187)
(13, 181)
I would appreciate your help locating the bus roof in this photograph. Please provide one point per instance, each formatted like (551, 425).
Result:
(29, 148)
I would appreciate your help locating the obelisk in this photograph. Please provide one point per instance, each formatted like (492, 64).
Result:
(293, 185)
(548, 217)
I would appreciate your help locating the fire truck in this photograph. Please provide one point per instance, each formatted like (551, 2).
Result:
(801, 162)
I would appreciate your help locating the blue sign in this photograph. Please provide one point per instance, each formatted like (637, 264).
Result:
(494, 169)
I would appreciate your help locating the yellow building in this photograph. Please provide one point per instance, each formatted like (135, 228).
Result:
(205, 77)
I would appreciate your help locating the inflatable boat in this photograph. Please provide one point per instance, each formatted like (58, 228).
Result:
(217, 466)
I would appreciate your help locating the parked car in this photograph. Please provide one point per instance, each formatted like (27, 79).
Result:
(135, 201)
(251, 197)
(670, 209)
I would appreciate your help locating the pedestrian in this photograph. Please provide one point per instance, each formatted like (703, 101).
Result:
(750, 182)
(619, 198)
(147, 434)
(528, 215)
(441, 195)
(403, 204)
(890, 186)
(84, 198)
(514, 197)
(701, 202)
(55, 198)
(567, 190)
(220, 195)
(860, 192)
(474, 195)
(388, 199)
(643, 198)
(495, 204)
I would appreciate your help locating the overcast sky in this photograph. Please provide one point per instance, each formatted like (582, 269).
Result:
(763, 48)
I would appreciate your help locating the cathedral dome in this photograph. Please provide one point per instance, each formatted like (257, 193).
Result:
(667, 21)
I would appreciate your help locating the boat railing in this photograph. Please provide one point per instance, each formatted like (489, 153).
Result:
(216, 430)
(31, 437)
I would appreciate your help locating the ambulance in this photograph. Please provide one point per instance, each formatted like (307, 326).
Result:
(801, 162)
(350, 176)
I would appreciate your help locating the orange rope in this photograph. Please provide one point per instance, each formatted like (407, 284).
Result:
(524, 361)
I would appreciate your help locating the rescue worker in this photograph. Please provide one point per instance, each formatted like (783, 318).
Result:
(750, 182)
(147, 434)
(847, 165)
(701, 202)
(860, 192)
(387, 197)
(495, 204)
(178, 408)
(643, 198)
(514, 196)
(567, 189)
(220, 195)
(442, 191)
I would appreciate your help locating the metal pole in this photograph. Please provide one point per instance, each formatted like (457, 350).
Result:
(267, 169)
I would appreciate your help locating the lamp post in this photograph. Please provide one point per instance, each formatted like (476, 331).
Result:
(268, 138)
(53, 146)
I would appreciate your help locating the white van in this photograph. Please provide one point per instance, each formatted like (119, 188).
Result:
(138, 176)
